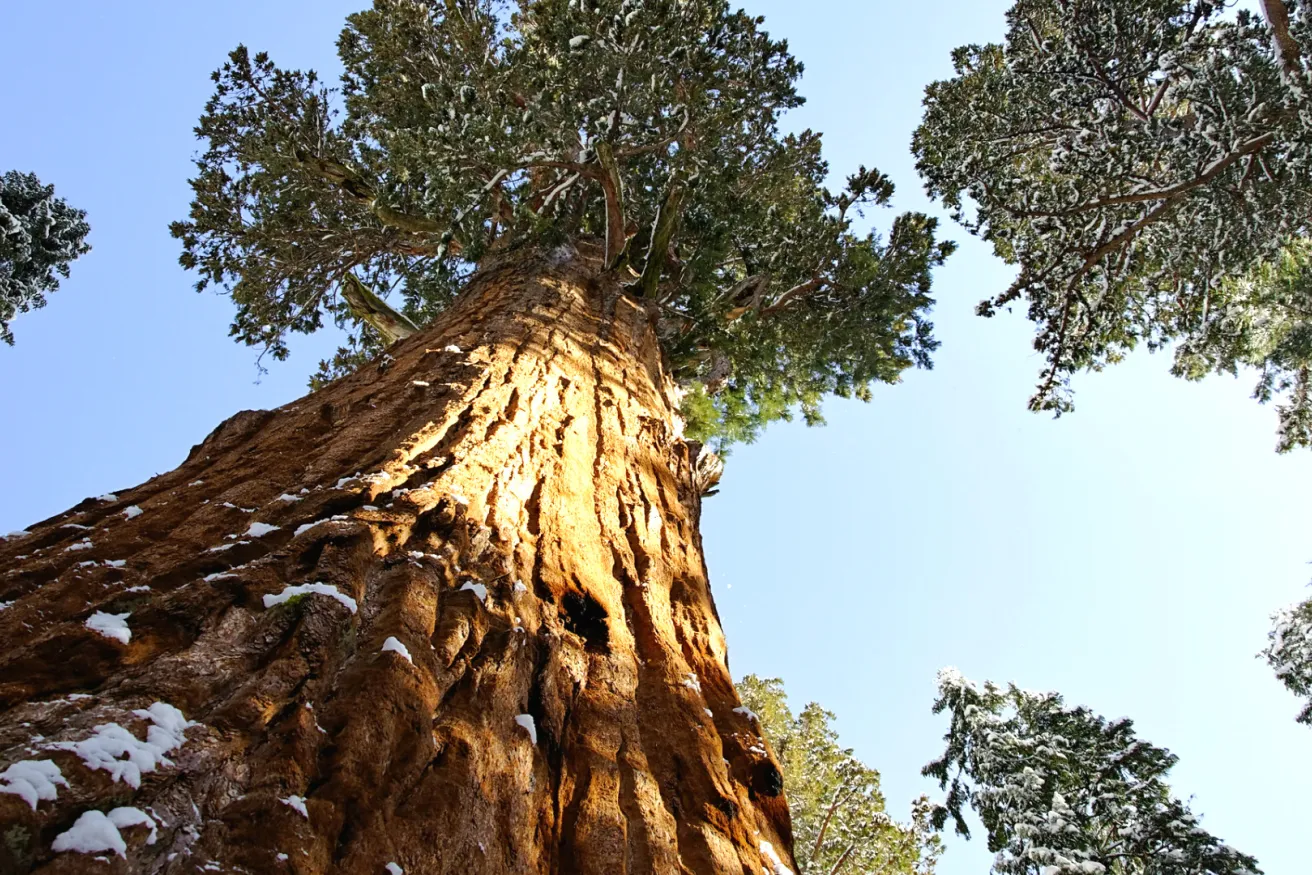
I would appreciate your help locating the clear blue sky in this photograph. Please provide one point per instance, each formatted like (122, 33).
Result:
(1128, 555)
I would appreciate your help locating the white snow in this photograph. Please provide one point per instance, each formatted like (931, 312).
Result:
(220, 548)
(709, 712)
(393, 869)
(132, 512)
(520, 587)
(116, 563)
(292, 592)
(297, 803)
(31, 780)
(397, 647)
(421, 383)
(196, 483)
(767, 851)
(477, 589)
(300, 530)
(4, 605)
(108, 496)
(693, 683)
(21, 533)
(88, 562)
(115, 750)
(452, 348)
(96, 831)
(111, 625)
(75, 526)
(526, 721)
(747, 712)
(218, 575)
(280, 857)
(84, 544)
(288, 497)
(259, 530)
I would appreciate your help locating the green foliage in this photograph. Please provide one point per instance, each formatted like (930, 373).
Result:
(839, 822)
(1062, 791)
(40, 235)
(471, 126)
(1289, 652)
(1141, 161)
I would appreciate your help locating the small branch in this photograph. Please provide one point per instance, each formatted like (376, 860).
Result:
(824, 825)
(368, 307)
(843, 859)
(1213, 170)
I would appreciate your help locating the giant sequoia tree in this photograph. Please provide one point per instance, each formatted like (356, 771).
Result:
(450, 613)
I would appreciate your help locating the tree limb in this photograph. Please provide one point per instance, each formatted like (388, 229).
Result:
(368, 307)
(1286, 47)
(613, 186)
(662, 232)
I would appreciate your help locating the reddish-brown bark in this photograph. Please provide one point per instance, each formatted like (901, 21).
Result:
(526, 443)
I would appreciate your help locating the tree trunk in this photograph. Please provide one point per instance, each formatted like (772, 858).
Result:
(509, 498)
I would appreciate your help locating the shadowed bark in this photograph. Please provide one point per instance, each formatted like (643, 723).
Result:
(511, 500)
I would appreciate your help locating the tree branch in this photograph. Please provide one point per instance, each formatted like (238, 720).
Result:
(368, 307)
(1286, 47)
(662, 233)
(613, 186)
(1213, 170)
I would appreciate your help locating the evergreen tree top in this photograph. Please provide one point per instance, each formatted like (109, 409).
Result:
(1138, 160)
(1063, 791)
(464, 127)
(40, 235)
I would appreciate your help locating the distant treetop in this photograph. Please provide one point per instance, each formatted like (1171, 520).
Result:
(40, 235)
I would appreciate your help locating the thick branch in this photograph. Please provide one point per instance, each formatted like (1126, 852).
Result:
(666, 221)
(1286, 47)
(797, 291)
(358, 189)
(368, 307)
(613, 186)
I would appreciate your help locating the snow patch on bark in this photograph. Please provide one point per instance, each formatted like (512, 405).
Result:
(132, 512)
(777, 866)
(115, 750)
(259, 530)
(477, 589)
(394, 646)
(329, 590)
(96, 831)
(113, 626)
(296, 803)
(31, 780)
(526, 723)
(393, 869)
(84, 544)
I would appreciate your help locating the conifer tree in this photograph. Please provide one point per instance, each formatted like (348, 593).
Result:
(1141, 162)
(449, 613)
(1063, 791)
(1289, 653)
(839, 819)
(40, 235)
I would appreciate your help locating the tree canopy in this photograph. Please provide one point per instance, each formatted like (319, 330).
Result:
(464, 127)
(1142, 163)
(839, 818)
(1063, 791)
(40, 235)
